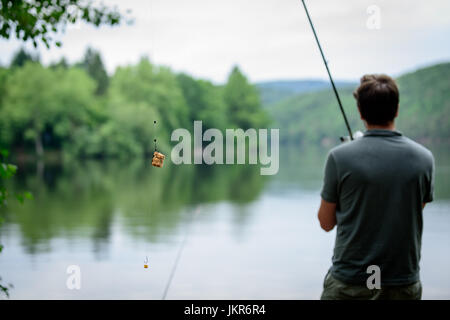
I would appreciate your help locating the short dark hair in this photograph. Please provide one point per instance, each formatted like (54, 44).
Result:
(377, 98)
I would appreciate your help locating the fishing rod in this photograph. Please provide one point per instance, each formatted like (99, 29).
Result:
(328, 71)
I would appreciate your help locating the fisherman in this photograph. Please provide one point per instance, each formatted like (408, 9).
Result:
(375, 189)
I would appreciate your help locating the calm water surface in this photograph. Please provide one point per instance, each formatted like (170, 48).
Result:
(246, 236)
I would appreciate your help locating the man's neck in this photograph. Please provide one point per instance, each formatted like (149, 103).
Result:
(390, 126)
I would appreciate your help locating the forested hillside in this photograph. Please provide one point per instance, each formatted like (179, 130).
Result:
(274, 91)
(315, 118)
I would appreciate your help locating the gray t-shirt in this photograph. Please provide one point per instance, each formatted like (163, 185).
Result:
(379, 183)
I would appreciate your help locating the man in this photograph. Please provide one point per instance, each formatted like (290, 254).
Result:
(375, 189)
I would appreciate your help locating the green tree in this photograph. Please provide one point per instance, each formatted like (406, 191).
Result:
(27, 104)
(62, 63)
(243, 102)
(137, 96)
(74, 105)
(205, 101)
(39, 98)
(4, 72)
(21, 57)
(146, 86)
(93, 64)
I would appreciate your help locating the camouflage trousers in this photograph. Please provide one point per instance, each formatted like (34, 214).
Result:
(334, 289)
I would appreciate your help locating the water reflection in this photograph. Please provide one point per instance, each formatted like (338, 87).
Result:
(82, 199)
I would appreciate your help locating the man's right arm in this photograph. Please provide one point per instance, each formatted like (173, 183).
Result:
(329, 194)
(327, 215)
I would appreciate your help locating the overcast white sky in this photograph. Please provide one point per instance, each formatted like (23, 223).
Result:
(268, 39)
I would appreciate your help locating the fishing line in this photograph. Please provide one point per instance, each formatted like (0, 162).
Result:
(146, 247)
(328, 71)
(154, 130)
(180, 251)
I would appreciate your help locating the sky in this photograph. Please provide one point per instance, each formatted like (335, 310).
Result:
(267, 39)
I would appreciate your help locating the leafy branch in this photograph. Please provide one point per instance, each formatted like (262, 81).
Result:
(38, 20)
